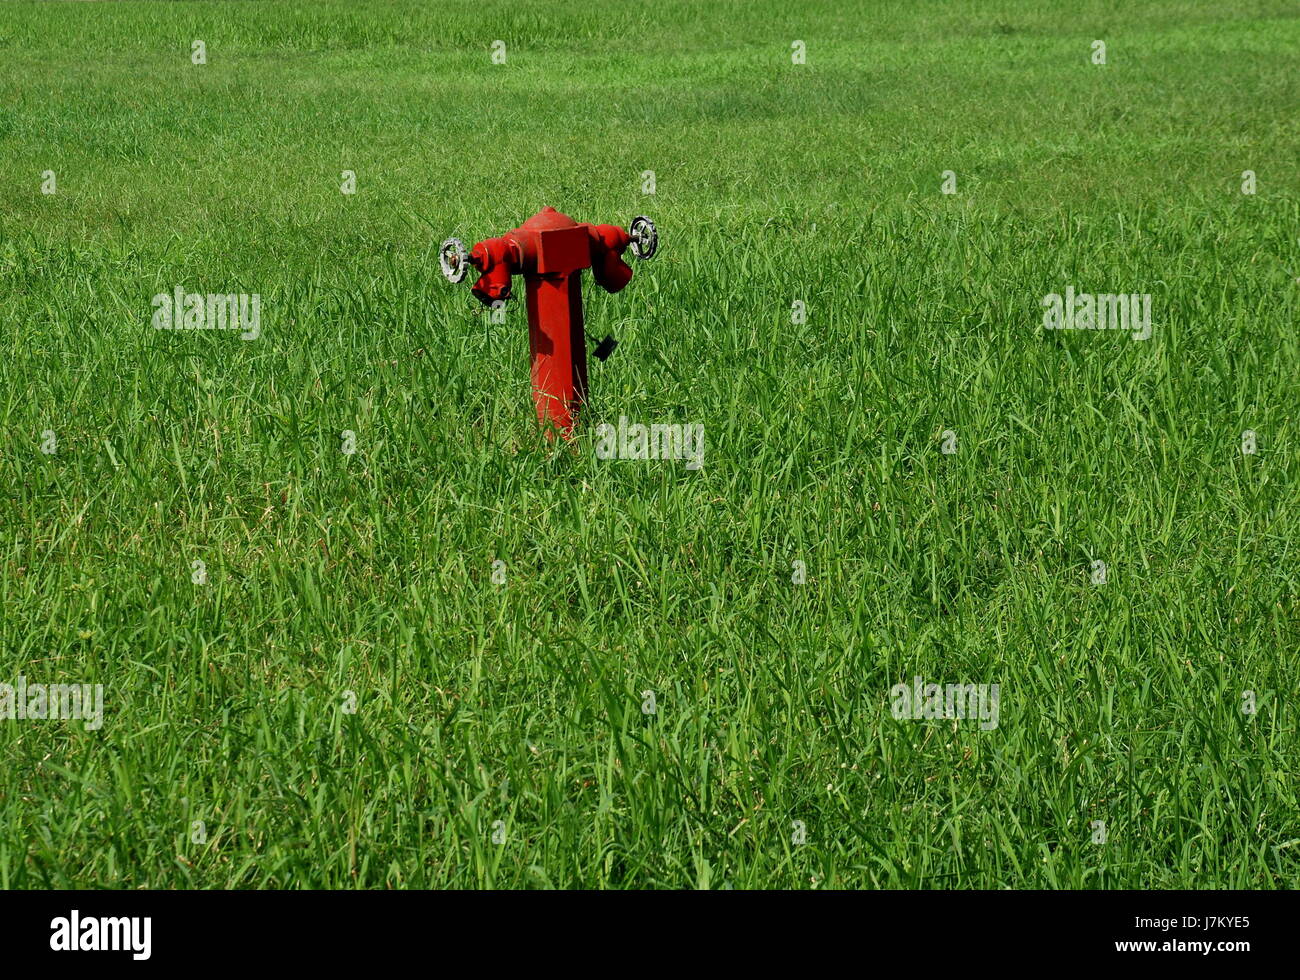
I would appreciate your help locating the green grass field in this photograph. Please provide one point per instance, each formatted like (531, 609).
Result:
(500, 736)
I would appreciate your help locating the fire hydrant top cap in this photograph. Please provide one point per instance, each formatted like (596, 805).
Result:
(548, 218)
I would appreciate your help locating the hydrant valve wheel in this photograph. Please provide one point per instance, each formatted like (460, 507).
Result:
(454, 259)
(645, 237)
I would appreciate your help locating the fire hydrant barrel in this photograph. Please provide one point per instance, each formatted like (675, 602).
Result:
(557, 345)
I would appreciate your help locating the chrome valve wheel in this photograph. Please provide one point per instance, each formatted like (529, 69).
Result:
(454, 259)
(645, 237)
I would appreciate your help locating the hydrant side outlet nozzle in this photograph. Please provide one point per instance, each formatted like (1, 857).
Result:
(497, 259)
(550, 250)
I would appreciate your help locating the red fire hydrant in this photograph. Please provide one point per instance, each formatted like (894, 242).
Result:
(550, 250)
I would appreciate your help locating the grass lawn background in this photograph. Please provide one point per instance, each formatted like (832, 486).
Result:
(522, 703)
